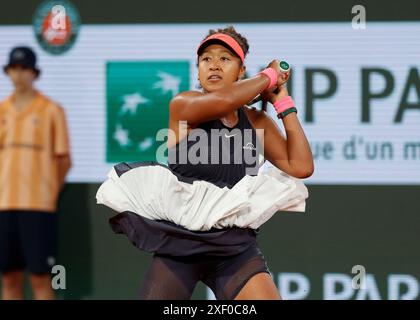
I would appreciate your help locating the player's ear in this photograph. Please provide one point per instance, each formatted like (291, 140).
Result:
(242, 72)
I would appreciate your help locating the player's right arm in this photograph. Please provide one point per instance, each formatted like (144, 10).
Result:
(196, 107)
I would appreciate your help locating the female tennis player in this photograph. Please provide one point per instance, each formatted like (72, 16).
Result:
(200, 214)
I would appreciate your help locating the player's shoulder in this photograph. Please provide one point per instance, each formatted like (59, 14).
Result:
(259, 118)
(182, 99)
(254, 113)
(187, 94)
(5, 102)
(50, 103)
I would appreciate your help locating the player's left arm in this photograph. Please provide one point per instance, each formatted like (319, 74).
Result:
(61, 144)
(64, 165)
(291, 153)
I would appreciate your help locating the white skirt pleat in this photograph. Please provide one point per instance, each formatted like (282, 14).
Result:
(155, 193)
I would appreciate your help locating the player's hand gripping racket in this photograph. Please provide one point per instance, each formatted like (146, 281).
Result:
(284, 68)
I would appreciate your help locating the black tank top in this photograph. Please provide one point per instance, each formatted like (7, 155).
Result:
(216, 153)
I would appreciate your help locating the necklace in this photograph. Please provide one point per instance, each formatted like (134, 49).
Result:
(228, 123)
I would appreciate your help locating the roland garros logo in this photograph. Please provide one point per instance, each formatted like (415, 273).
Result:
(56, 25)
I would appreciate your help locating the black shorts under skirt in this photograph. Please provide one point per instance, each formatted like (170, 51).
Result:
(167, 238)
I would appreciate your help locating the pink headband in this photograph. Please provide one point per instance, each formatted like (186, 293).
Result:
(231, 42)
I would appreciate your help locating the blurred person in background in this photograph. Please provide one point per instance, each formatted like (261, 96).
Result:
(34, 160)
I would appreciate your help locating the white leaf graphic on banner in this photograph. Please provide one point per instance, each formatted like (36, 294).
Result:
(121, 136)
(131, 102)
(168, 83)
(146, 143)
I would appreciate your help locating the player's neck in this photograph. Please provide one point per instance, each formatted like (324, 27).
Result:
(23, 93)
(23, 97)
(230, 119)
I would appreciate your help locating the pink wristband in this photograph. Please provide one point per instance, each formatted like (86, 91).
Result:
(284, 104)
(272, 75)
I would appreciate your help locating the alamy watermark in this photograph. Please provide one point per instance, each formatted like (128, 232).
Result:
(58, 22)
(58, 280)
(359, 280)
(359, 20)
(219, 146)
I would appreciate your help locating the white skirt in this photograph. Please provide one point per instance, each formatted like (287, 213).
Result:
(154, 192)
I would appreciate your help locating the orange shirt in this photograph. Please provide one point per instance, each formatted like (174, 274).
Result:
(30, 140)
